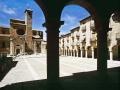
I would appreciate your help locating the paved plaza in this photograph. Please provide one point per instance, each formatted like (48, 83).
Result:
(33, 67)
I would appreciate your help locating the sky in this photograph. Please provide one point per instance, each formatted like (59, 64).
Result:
(14, 9)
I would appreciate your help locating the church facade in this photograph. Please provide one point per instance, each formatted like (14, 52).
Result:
(20, 38)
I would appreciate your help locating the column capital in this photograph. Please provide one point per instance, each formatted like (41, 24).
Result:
(53, 24)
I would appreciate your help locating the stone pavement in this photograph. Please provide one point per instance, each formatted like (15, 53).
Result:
(33, 67)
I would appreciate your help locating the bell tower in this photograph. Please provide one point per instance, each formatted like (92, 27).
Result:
(28, 34)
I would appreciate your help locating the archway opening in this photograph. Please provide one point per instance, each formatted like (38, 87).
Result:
(114, 36)
(78, 34)
(22, 32)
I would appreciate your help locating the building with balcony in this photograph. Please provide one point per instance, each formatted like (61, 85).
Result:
(83, 40)
(20, 38)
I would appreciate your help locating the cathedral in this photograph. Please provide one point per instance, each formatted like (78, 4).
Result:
(20, 38)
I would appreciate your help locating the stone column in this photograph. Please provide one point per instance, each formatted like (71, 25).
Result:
(53, 50)
(86, 53)
(102, 50)
(111, 53)
(35, 47)
(81, 50)
(11, 47)
(23, 49)
(63, 52)
(77, 53)
(70, 52)
(92, 49)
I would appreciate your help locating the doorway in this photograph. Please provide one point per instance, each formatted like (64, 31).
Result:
(17, 51)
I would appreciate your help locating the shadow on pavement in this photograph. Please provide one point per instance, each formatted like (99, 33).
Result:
(6, 64)
(92, 80)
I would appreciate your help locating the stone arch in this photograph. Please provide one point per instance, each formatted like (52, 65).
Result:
(114, 34)
(87, 5)
(43, 7)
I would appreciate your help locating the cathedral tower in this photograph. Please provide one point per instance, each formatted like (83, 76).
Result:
(28, 22)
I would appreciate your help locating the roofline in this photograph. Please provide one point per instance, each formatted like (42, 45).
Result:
(5, 27)
(17, 20)
(74, 29)
(85, 19)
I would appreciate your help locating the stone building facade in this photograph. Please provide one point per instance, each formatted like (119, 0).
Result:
(82, 40)
(20, 38)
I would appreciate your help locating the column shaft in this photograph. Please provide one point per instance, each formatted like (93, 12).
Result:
(53, 51)
(111, 55)
(11, 47)
(81, 53)
(102, 49)
(93, 54)
(35, 47)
